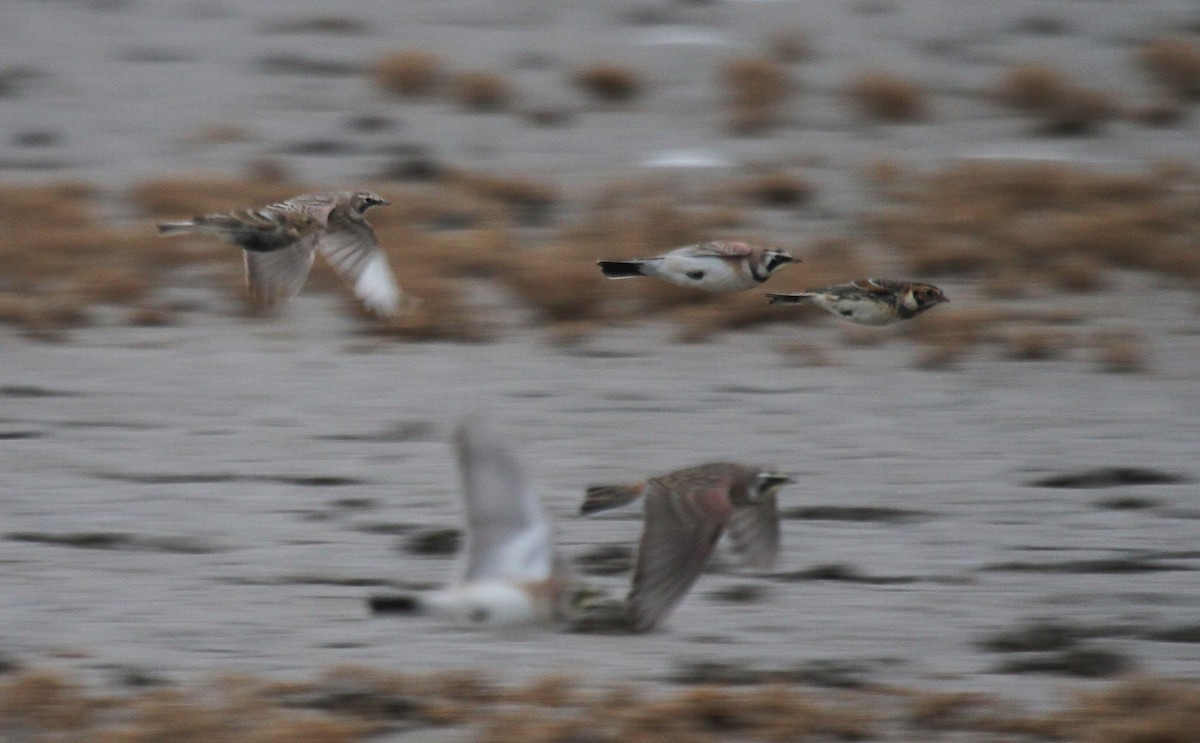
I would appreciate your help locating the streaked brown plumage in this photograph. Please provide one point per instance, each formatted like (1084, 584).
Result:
(686, 512)
(281, 240)
(869, 301)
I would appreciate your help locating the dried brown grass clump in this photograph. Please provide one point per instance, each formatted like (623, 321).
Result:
(1060, 107)
(608, 82)
(755, 90)
(483, 91)
(1138, 710)
(1122, 351)
(1031, 86)
(410, 73)
(1175, 63)
(888, 97)
(778, 189)
(1036, 344)
(45, 701)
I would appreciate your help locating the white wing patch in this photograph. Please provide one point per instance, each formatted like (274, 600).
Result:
(377, 287)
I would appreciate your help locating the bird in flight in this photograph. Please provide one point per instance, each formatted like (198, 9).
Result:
(280, 241)
(686, 512)
(720, 266)
(869, 301)
(509, 574)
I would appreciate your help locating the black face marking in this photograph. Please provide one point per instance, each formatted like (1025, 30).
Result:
(695, 275)
(776, 261)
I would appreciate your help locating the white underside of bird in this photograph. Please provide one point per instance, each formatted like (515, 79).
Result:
(860, 311)
(508, 575)
(711, 273)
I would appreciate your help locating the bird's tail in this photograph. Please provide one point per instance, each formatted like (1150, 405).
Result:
(603, 497)
(166, 229)
(798, 298)
(621, 269)
(396, 604)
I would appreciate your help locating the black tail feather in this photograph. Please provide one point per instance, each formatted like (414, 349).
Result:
(395, 604)
(621, 269)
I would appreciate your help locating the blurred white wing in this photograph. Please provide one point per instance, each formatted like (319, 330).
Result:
(508, 535)
(351, 249)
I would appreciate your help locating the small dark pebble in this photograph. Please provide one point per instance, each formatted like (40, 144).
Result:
(1036, 637)
(412, 163)
(19, 435)
(371, 123)
(25, 390)
(1126, 503)
(36, 138)
(1080, 663)
(852, 513)
(9, 664)
(354, 504)
(396, 604)
(434, 542)
(1183, 633)
(114, 541)
(1107, 477)
(606, 559)
(1041, 25)
(318, 147)
(742, 593)
(841, 572)
(283, 64)
(1113, 565)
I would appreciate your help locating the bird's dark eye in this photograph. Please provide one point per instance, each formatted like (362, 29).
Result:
(695, 275)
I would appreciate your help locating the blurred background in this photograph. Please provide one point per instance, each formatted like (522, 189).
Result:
(996, 500)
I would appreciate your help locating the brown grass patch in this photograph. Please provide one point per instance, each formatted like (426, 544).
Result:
(1174, 62)
(608, 82)
(778, 189)
(1059, 106)
(483, 91)
(410, 73)
(1122, 351)
(1031, 86)
(755, 91)
(888, 97)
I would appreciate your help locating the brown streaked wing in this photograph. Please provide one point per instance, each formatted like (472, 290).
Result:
(878, 286)
(278, 274)
(754, 532)
(681, 529)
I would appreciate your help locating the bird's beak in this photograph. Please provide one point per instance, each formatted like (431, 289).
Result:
(777, 478)
(384, 202)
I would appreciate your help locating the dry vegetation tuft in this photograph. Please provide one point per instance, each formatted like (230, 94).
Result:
(1058, 105)
(483, 91)
(1174, 62)
(888, 97)
(609, 82)
(409, 73)
(756, 90)
(357, 703)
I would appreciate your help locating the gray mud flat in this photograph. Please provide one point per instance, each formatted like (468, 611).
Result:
(225, 494)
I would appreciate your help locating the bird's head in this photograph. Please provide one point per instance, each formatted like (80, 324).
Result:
(921, 297)
(361, 201)
(773, 259)
(766, 483)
